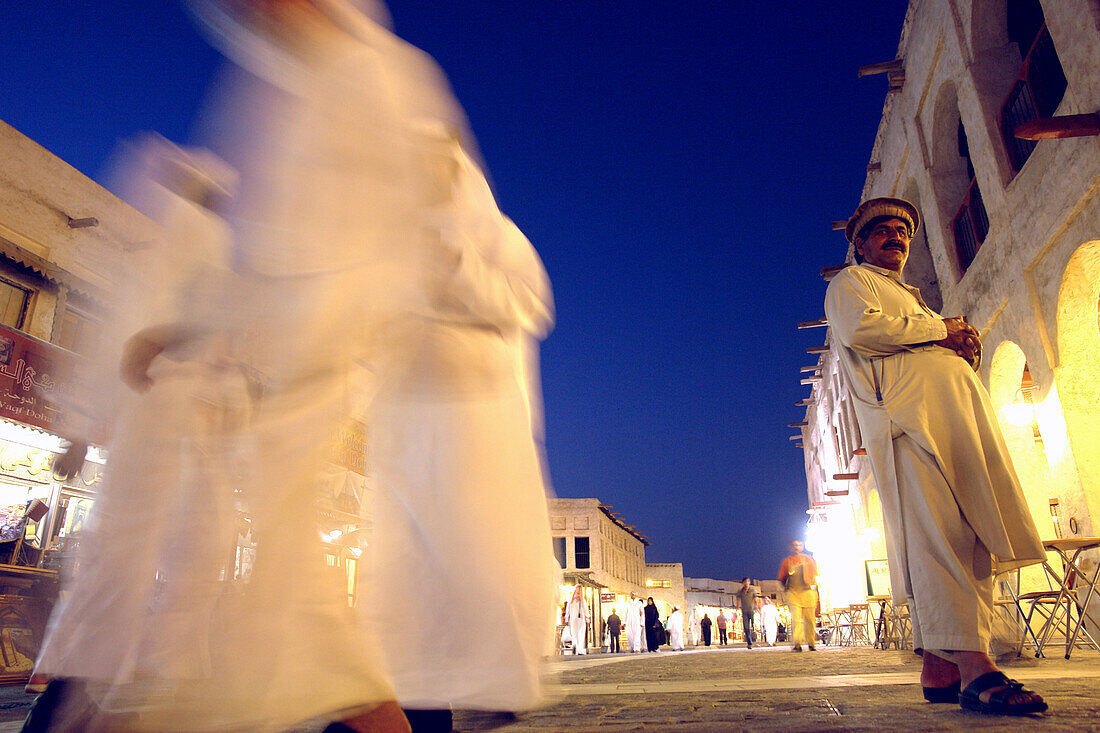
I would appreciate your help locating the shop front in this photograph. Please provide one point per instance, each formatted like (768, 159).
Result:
(41, 515)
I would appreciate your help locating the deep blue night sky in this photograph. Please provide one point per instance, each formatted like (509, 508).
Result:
(676, 164)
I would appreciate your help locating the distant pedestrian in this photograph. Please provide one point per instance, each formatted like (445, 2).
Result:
(798, 573)
(576, 618)
(695, 622)
(747, 598)
(722, 623)
(635, 623)
(769, 618)
(653, 630)
(704, 627)
(614, 627)
(675, 626)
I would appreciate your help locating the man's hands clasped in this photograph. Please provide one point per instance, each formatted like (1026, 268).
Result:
(963, 339)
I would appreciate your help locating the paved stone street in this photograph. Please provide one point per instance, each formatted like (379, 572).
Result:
(765, 689)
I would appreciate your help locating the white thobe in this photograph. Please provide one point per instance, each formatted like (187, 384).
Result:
(576, 618)
(455, 428)
(769, 616)
(676, 630)
(948, 489)
(634, 616)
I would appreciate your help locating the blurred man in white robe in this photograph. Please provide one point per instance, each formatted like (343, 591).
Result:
(461, 520)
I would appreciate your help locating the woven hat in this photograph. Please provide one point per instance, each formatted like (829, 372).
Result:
(874, 208)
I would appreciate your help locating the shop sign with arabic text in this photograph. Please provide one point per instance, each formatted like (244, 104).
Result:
(32, 374)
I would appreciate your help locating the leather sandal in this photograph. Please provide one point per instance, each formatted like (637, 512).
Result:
(998, 701)
(943, 694)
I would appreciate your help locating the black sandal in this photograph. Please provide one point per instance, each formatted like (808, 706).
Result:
(998, 701)
(948, 694)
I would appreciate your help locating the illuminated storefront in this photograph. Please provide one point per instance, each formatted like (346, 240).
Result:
(42, 515)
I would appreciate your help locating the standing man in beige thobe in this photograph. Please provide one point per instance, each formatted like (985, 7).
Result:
(951, 501)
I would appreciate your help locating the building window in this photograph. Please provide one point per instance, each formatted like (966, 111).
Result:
(580, 552)
(559, 550)
(971, 223)
(13, 303)
(653, 583)
(77, 332)
(1040, 83)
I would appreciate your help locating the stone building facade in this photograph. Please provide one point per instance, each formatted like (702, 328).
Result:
(665, 583)
(59, 232)
(1010, 239)
(590, 539)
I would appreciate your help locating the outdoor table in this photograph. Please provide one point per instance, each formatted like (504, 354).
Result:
(1069, 551)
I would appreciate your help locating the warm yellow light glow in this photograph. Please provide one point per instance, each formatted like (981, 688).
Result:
(1018, 413)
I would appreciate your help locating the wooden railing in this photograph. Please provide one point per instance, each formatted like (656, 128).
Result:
(970, 225)
(1038, 90)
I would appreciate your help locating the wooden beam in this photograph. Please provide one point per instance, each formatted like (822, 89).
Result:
(1060, 127)
(828, 273)
(840, 225)
(813, 324)
(837, 493)
(798, 424)
(845, 476)
(817, 349)
(804, 403)
(794, 437)
(797, 445)
(859, 452)
(810, 380)
(882, 67)
(814, 368)
(874, 166)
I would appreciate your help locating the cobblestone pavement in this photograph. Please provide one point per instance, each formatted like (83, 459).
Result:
(765, 689)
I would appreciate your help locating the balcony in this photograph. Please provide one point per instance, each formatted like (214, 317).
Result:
(1038, 90)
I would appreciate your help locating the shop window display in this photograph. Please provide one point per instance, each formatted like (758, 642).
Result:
(22, 525)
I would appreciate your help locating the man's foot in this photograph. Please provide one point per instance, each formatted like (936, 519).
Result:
(36, 685)
(937, 673)
(995, 694)
(812, 649)
(988, 690)
(385, 718)
(796, 648)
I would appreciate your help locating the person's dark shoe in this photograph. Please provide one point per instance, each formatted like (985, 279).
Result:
(1000, 701)
(812, 649)
(796, 648)
(62, 700)
(430, 721)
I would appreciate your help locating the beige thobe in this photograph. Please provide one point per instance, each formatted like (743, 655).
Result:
(951, 500)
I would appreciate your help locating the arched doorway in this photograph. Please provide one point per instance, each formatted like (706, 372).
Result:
(1018, 400)
(1078, 377)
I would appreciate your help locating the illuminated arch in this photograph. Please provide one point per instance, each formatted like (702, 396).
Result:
(1078, 371)
(1022, 431)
